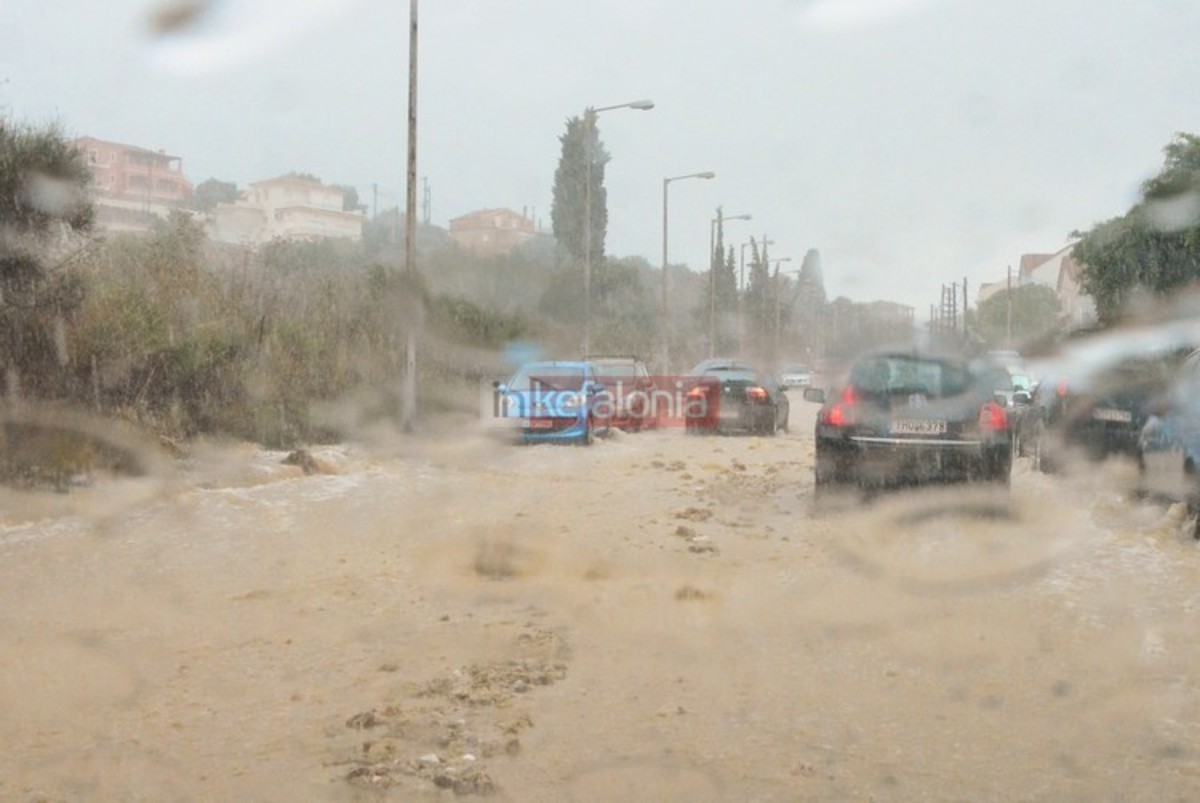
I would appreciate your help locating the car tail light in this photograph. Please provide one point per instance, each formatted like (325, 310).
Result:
(1061, 389)
(697, 393)
(840, 413)
(757, 394)
(993, 417)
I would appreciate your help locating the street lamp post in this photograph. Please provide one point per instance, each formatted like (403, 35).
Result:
(589, 116)
(718, 223)
(664, 323)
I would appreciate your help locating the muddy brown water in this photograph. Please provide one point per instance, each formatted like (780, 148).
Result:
(657, 617)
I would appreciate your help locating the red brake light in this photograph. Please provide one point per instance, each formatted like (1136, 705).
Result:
(839, 415)
(756, 394)
(1061, 390)
(993, 417)
(697, 392)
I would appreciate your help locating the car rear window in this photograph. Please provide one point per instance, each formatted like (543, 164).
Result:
(904, 375)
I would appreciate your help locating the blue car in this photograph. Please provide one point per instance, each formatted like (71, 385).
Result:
(561, 401)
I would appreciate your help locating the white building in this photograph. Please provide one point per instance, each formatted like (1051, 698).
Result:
(288, 207)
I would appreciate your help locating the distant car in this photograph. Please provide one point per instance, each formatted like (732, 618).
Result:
(1095, 416)
(730, 396)
(629, 383)
(796, 376)
(554, 401)
(908, 417)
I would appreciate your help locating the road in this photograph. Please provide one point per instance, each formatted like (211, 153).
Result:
(657, 617)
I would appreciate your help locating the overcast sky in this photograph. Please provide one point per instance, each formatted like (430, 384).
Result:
(912, 142)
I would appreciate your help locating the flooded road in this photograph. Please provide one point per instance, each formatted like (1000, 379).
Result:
(658, 617)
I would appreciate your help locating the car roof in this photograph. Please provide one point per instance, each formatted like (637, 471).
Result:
(723, 364)
(543, 364)
(614, 360)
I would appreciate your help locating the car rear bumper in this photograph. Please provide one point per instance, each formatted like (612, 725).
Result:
(896, 461)
(733, 418)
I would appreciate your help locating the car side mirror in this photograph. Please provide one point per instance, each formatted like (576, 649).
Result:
(816, 395)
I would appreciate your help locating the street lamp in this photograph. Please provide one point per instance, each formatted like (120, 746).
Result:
(717, 223)
(589, 116)
(664, 319)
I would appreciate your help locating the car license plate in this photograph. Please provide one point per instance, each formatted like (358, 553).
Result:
(1109, 414)
(728, 413)
(540, 423)
(917, 426)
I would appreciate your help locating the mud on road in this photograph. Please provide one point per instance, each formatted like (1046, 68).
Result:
(657, 617)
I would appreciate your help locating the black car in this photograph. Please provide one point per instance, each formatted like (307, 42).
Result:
(728, 396)
(908, 417)
(1094, 416)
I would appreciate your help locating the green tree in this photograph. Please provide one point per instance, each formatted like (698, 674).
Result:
(350, 200)
(721, 296)
(810, 300)
(1034, 311)
(1154, 248)
(211, 192)
(759, 305)
(43, 187)
(579, 185)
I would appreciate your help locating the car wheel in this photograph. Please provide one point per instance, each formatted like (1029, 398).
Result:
(589, 432)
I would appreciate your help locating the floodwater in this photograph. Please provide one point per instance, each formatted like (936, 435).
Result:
(658, 617)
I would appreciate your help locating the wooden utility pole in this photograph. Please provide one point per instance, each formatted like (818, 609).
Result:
(408, 398)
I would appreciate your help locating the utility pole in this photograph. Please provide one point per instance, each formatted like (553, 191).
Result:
(1008, 316)
(426, 203)
(408, 397)
(965, 304)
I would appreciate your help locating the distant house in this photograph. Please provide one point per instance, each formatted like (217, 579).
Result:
(289, 207)
(133, 186)
(890, 311)
(1059, 271)
(490, 232)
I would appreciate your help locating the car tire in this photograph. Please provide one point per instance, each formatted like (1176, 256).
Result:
(589, 432)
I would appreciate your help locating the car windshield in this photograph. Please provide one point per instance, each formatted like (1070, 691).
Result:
(292, 508)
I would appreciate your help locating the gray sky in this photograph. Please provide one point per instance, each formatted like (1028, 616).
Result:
(912, 142)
